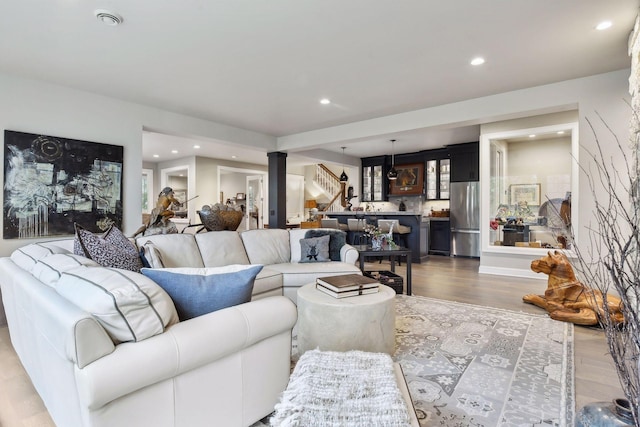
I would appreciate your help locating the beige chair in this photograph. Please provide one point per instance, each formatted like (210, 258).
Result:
(355, 227)
(354, 224)
(329, 223)
(393, 224)
(400, 231)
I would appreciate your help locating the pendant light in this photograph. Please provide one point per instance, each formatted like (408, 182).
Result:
(393, 173)
(343, 176)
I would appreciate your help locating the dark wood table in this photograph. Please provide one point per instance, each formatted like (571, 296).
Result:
(367, 250)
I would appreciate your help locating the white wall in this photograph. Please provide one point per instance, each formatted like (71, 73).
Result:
(37, 107)
(546, 162)
(604, 94)
(42, 108)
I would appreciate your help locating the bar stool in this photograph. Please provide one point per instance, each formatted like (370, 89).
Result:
(332, 223)
(356, 231)
(400, 232)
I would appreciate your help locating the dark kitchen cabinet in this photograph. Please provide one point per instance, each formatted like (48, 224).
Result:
(465, 162)
(437, 179)
(374, 182)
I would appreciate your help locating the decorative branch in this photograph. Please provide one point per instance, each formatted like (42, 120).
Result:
(611, 261)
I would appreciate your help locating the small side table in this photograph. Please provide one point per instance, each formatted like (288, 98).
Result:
(363, 322)
(367, 250)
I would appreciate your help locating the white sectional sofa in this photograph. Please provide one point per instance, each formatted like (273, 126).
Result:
(276, 249)
(225, 368)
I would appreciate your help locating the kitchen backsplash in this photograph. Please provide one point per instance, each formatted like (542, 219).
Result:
(413, 204)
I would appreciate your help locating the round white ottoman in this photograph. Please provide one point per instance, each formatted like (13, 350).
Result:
(363, 322)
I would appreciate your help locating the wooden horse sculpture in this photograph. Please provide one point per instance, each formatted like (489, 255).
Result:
(567, 299)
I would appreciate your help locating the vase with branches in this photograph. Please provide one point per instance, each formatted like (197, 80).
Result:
(610, 262)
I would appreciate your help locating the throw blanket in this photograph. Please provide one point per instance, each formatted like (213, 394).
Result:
(329, 389)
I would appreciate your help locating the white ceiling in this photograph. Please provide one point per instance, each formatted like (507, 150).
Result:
(264, 65)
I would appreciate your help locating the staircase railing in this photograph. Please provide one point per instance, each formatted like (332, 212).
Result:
(331, 184)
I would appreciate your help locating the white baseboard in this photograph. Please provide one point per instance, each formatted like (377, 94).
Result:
(513, 272)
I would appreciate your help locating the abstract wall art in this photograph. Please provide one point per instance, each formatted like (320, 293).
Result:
(50, 183)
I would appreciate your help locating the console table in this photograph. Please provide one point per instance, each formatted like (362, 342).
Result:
(367, 250)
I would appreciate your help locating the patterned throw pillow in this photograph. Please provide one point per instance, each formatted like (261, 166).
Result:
(315, 249)
(112, 249)
(337, 239)
(198, 291)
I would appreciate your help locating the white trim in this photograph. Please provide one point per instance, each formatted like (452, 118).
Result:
(513, 272)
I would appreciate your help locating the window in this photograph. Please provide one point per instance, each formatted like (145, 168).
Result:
(532, 176)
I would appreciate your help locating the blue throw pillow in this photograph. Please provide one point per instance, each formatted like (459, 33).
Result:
(198, 291)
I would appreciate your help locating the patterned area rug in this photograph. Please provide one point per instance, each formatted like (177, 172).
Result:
(469, 365)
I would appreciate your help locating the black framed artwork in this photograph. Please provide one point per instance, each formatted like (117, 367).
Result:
(50, 183)
(410, 180)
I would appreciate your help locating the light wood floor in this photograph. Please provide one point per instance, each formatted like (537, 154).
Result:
(454, 279)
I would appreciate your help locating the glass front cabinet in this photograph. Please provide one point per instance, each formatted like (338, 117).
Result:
(437, 179)
(373, 188)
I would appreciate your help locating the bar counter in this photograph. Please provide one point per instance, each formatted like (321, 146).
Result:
(407, 218)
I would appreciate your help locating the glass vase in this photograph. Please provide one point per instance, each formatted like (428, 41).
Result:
(605, 414)
(376, 243)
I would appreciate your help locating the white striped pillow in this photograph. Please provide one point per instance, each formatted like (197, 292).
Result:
(49, 269)
(130, 306)
(27, 256)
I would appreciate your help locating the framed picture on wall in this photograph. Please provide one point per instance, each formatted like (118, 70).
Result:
(410, 180)
(52, 183)
(529, 193)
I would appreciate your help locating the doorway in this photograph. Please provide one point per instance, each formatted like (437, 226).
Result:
(244, 189)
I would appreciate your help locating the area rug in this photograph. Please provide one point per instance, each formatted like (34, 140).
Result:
(469, 365)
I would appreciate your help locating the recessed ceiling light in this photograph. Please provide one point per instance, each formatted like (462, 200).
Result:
(233, 157)
(560, 132)
(604, 25)
(174, 151)
(156, 156)
(477, 61)
(196, 146)
(532, 135)
(325, 101)
(107, 17)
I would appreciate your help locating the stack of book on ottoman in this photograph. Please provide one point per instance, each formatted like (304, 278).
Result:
(347, 285)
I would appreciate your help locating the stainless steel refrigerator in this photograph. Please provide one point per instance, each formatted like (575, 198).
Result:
(464, 205)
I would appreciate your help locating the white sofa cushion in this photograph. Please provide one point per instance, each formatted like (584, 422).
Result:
(267, 246)
(176, 250)
(296, 275)
(220, 248)
(198, 291)
(130, 306)
(26, 257)
(267, 283)
(150, 255)
(49, 269)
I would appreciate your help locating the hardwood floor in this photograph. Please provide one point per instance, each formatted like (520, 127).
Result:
(454, 279)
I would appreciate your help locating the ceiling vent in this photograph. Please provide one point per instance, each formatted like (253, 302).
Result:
(108, 18)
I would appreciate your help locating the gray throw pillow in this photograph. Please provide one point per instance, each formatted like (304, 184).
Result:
(337, 239)
(198, 291)
(111, 249)
(315, 249)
